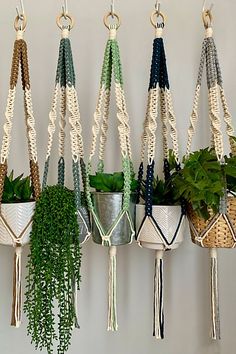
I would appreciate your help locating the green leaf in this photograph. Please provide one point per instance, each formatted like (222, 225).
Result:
(17, 190)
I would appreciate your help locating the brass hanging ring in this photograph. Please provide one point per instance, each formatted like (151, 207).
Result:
(67, 17)
(154, 18)
(110, 14)
(20, 23)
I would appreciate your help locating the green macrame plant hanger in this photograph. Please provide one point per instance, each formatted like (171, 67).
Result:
(112, 214)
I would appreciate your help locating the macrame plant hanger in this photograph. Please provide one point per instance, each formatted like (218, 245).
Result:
(111, 68)
(19, 61)
(66, 93)
(150, 233)
(218, 232)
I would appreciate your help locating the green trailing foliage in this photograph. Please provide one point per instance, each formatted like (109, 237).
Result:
(111, 182)
(163, 190)
(17, 189)
(203, 180)
(53, 270)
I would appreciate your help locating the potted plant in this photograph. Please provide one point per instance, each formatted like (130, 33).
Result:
(208, 177)
(108, 200)
(111, 206)
(18, 195)
(167, 228)
(209, 188)
(60, 221)
(17, 209)
(53, 270)
(160, 217)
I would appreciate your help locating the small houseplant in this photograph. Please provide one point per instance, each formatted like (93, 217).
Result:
(17, 209)
(167, 211)
(108, 199)
(54, 262)
(159, 215)
(204, 182)
(53, 269)
(17, 198)
(208, 176)
(112, 206)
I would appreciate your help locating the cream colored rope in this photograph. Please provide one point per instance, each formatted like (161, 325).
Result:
(193, 120)
(123, 118)
(104, 125)
(52, 120)
(152, 126)
(228, 121)
(7, 128)
(73, 120)
(97, 120)
(214, 113)
(144, 138)
(172, 123)
(164, 119)
(30, 121)
(62, 122)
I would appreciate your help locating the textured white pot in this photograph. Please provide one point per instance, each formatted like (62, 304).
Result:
(18, 217)
(168, 219)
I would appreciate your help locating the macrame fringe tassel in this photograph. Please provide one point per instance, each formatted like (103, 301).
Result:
(158, 318)
(215, 313)
(17, 295)
(112, 310)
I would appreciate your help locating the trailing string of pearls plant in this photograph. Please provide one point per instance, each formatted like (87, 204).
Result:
(115, 207)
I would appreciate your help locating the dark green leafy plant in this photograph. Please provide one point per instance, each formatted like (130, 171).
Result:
(53, 269)
(16, 189)
(203, 180)
(107, 182)
(163, 191)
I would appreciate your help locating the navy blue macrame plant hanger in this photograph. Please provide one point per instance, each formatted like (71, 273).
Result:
(159, 85)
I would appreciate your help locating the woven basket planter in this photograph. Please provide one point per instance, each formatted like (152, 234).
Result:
(166, 231)
(16, 217)
(217, 232)
(107, 207)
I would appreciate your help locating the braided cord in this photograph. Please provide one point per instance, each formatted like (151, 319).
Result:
(216, 96)
(65, 89)
(111, 64)
(20, 59)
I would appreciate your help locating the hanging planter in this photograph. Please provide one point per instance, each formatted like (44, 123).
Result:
(112, 204)
(60, 223)
(208, 178)
(17, 210)
(160, 216)
(17, 199)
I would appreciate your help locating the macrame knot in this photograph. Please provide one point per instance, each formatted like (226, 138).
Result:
(159, 32)
(209, 32)
(106, 240)
(65, 33)
(19, 34)
(113, 33)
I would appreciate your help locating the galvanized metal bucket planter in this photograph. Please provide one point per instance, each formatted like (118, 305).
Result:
(165, 231)
(107, 207)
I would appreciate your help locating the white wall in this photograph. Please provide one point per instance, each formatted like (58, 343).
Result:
(187, 299)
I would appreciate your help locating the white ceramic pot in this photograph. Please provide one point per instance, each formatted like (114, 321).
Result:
(164, 231)
(16, 222)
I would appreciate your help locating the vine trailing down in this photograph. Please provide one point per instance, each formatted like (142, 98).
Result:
(54, 264)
